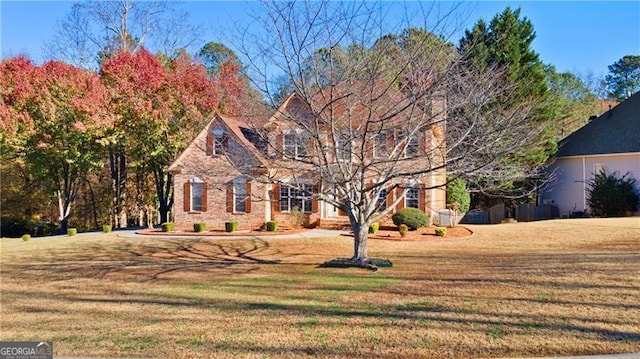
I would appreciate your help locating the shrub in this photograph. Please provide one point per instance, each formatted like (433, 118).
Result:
(272, 226)
(106, 228)
(441, 231)
(199, 227)
(16, 226)
(458, 194)
(374, 227)
(296, 217)
(403, 230)
(412, 217)
(26, 237)
(612, 196)
(72, 232)
(168, 227)
(231, 226)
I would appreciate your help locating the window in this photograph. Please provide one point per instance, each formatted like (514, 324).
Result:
(411, 199)
(299, 196)
(380, 145)
(218, 142)
(412, 147)
(381, 204)
(343, 147)
(240, 197)
(195, 196)
(295, 145)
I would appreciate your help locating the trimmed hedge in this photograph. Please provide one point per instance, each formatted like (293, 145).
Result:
(231, 226)
(272, 226)
(403, 230)
(441, 231)
(199, 227)
(168, 227)
(412, 217)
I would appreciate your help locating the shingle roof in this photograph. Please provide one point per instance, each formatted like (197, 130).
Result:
(615, 131)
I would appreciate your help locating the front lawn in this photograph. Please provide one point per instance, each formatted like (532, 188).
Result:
(567, 287)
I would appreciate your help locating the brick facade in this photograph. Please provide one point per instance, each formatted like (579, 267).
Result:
(208, 179)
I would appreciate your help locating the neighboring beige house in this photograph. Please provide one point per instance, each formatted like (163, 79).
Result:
(610, 142)
(237, 171)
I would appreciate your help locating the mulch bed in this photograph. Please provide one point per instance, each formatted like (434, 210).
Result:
(422, 234)
(217, 232)
(389, 233)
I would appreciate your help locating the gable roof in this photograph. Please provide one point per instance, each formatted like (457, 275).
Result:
(236, 126)
(615, 131)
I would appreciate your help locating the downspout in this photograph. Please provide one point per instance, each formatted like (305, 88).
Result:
(584, 184)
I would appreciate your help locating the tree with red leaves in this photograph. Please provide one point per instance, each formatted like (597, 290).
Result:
(158, 109)
(55, 114)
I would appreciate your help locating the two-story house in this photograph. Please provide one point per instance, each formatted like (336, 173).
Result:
(236, 170)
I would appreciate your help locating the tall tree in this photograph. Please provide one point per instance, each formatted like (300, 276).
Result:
(65, 106)
(505, 43)
(214, 54)
(571, 100)
(92, 29)
(353, 111)
(160, 106)
(623, 79)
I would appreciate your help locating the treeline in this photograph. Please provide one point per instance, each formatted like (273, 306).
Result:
(96, 144)
(87, 147)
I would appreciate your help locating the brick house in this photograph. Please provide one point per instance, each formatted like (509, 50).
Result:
(235, 170)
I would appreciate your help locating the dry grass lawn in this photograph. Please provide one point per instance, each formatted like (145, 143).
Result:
(569, 287)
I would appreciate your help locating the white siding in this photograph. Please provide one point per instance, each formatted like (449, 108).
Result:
(569, 190)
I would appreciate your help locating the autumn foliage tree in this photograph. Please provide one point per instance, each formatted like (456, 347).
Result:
(159, 107)
(56, 113)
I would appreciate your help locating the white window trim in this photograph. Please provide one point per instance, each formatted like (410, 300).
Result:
(235, 196)
(416, 198)
(300, 145)
(200, 182)
(295, 187)
(339, 149)
(218, 141)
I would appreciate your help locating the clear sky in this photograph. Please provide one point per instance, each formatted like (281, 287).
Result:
(577, 36)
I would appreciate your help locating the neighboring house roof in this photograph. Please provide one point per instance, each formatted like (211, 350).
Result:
(615, 131)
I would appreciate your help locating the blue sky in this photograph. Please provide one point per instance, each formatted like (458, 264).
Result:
(575, 36)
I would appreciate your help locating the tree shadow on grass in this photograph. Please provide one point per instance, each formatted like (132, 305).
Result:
(144, 261)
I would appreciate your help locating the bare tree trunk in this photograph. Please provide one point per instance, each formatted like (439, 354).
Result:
(164, 190)
(360, 245)
(118, 166)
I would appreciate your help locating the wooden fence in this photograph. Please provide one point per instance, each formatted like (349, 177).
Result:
(524, 213)
(529, 212)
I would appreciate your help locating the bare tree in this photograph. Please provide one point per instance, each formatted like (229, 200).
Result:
(92, 29)
(382, 115)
